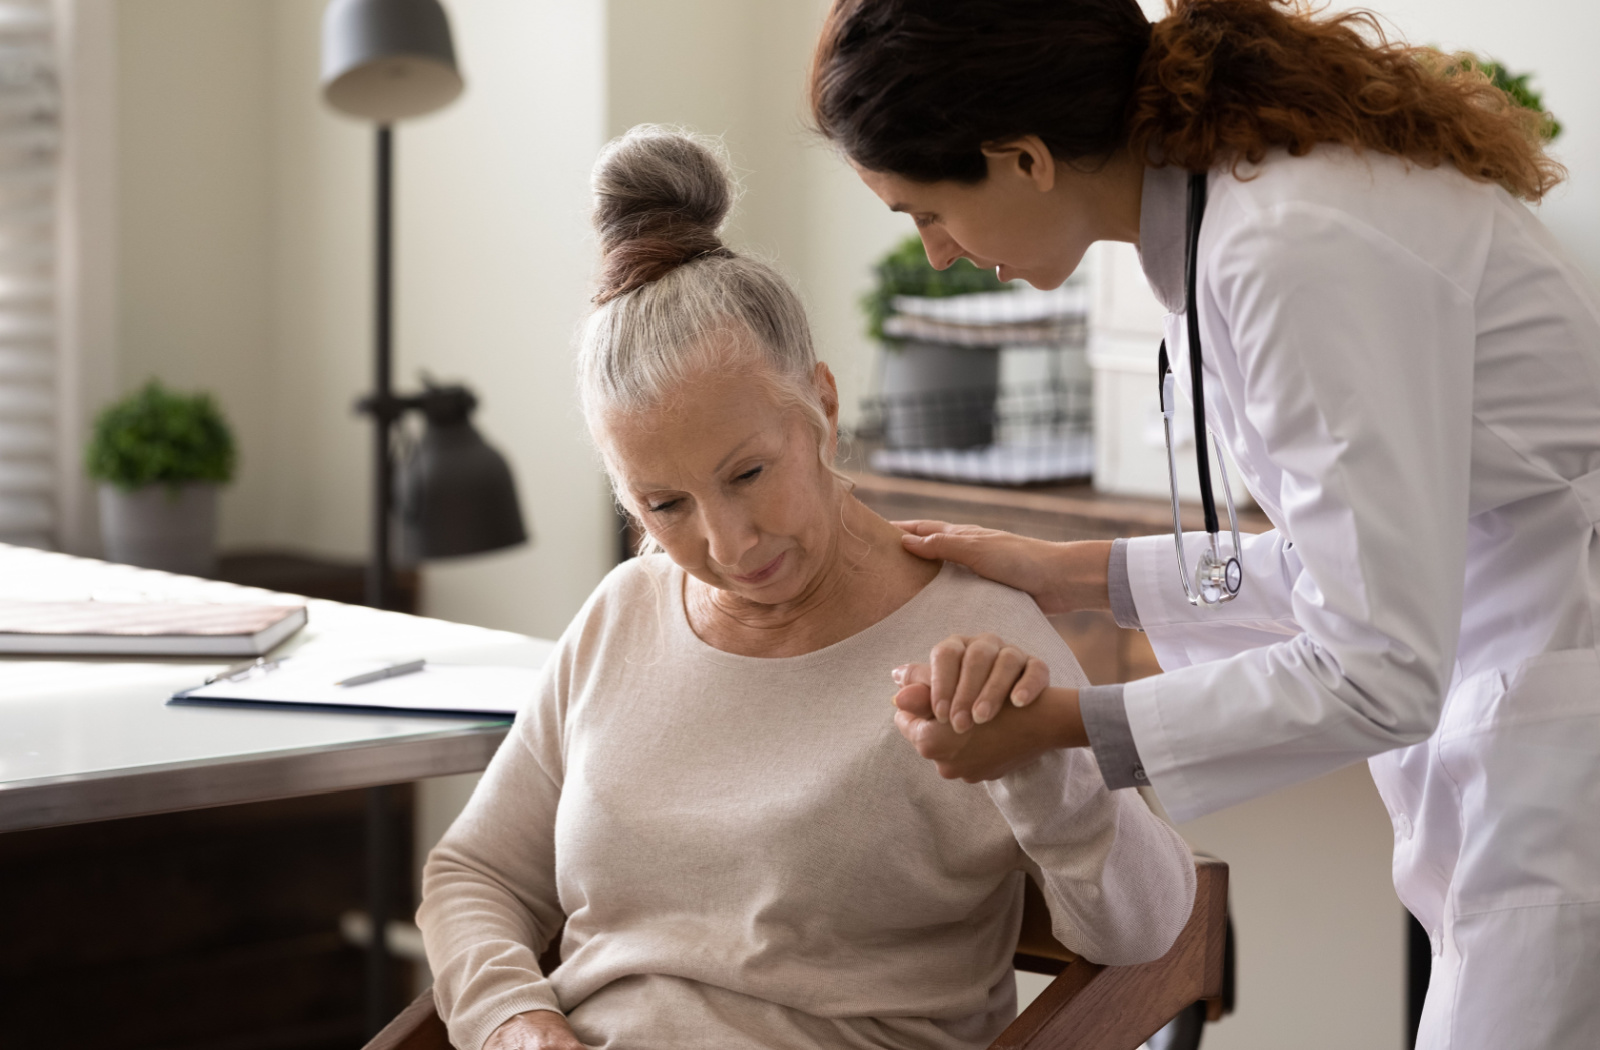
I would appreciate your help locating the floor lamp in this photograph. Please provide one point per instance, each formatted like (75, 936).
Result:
(386, 61)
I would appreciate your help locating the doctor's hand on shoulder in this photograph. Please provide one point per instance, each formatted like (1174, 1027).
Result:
(534, 1030)
(1061, 577)
(981, 709)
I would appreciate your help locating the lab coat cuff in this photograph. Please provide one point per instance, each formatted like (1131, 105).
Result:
(1142, 702)
(1105, 720)
(1122, 606)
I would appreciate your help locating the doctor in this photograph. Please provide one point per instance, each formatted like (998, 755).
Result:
(1406, 368)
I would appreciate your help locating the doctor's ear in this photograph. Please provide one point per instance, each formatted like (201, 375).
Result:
(1026, 157)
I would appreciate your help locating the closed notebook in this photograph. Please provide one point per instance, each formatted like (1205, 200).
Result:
(145, 628)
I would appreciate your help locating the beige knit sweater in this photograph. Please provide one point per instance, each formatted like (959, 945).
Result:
(747, 854)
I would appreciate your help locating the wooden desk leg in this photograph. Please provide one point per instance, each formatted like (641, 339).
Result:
(380, 878)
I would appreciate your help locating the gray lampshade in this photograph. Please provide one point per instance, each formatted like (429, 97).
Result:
(387, 60)
(456, 493)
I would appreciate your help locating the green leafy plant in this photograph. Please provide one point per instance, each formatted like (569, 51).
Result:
(906, 271)
(156, 436)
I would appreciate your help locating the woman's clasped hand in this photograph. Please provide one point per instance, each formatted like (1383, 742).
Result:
(534, 1030)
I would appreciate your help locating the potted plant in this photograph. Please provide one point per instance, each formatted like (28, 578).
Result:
(933, 395)
(159, 457)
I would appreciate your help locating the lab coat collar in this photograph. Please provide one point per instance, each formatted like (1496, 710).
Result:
(1161, 227)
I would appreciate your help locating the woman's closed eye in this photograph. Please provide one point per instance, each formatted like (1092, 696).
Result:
(748, 475)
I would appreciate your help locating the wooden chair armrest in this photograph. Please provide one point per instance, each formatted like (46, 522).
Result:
(1094, 1007)
(417, 1028)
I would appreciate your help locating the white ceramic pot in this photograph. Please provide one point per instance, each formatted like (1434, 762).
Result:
(162, 527)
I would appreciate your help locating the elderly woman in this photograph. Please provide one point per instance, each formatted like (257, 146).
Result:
(708, 789)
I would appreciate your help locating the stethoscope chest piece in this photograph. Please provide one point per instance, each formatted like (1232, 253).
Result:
(1217, 578)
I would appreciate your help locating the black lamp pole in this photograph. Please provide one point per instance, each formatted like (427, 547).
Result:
(381, 857)
(382, 403)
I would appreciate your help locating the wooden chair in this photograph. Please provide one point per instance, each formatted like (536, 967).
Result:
(1086, 1007)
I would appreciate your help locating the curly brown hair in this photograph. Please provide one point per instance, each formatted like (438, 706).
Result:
(919, 87)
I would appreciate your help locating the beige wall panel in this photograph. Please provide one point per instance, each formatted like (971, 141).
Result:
(193, 304)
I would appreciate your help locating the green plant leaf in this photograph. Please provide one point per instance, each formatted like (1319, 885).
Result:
(906, 271)
(157, 436)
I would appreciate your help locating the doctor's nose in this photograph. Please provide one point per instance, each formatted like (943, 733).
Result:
(941, 248)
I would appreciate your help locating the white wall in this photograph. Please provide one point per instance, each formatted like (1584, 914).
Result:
(245, 268)
(193, 212)
(492, 276)
(737, 69)
(1552, 39)
(1321, 935)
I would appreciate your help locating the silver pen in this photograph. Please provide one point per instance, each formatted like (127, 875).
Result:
(249, 669)
(383, 672)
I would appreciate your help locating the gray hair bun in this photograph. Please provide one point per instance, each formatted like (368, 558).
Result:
(661, 196)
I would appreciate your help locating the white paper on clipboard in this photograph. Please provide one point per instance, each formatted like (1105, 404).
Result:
(443, 689)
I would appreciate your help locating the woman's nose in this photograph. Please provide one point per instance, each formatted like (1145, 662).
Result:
(730, 535)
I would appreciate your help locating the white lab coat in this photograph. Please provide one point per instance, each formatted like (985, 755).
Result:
(1406, 369)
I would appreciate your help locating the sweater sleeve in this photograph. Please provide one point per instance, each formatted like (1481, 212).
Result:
(489, 901)
(1119, 881)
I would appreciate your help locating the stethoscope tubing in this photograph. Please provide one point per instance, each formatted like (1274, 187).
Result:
(1217, 579)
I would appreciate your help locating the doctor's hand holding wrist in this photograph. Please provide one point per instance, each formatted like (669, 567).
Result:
(1061, 577)
(969, 682)
(1012, 740)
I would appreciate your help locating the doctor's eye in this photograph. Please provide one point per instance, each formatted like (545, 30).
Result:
(749, 475)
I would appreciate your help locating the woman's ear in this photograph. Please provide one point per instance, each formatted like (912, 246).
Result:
(1026, 157)
(828, 391)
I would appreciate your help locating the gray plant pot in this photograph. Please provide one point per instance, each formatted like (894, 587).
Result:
(162, 527)
(939, 396)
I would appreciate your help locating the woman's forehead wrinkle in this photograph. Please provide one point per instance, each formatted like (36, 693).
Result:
(695, 436)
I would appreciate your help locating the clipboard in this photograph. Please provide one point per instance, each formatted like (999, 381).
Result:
(438, 690)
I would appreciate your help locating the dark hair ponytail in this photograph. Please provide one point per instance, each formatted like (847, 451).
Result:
(919, 87)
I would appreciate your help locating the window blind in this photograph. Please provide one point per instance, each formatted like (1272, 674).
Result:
(30, 115)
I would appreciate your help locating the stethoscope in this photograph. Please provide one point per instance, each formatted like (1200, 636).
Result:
(1216, 579)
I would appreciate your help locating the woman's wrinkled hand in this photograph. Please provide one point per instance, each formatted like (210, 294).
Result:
(1061, 577)
(971, 677)
(534, 1030)
(1014, 740)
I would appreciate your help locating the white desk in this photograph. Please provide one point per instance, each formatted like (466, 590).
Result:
(92, 739)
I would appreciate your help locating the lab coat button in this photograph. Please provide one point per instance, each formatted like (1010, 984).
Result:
(1436, 940)
(1402, 826)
